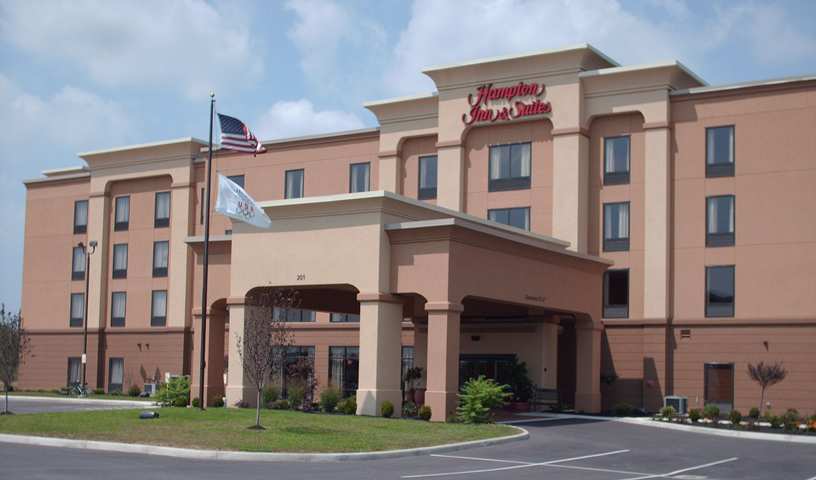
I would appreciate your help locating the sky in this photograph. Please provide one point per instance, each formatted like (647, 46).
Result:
(83, 75)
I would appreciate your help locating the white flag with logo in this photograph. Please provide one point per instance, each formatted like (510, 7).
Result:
(235, 203)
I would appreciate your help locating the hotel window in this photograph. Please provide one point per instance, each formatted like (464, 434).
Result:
(509, 167)
(294, 355)
(78, 263)
(616, 294)
(344, 318)
(514, 217)
(293, 314)
(158, 308)
(616, 227)
(162, 210)
(720, 221)
(81, 216)
(427, 177)
(238, 180)
(720, 291)
(616, 160)
(120, 260)
(121, 214)
(294, 184)
(344, 368)
(201, 209)
(359, 177)
(116, 374)
(719, 385)
(74, 371)
(161, 250)
(118, 309)
(720, 151)
(407, 357)
(77, 310)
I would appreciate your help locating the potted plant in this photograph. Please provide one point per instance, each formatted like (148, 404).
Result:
(521, 386)
(412, 393)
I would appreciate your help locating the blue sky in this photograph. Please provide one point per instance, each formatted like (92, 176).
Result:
(83, 75)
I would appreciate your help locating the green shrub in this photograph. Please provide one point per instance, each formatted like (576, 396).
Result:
(695, 415)
(347, 406)
(425, 412)
(134, 391)
(623, 409)
(329, 398)
(711, 412)
(195, 403)
(98, 391)
(176, 392)
(753, 413)
(387, 409)
(775, 421)
(270, 395)
(219, 403)
(668, 412)
(409, 409)
(735, 417)
(478, 397)
(280, 404)
(295, 394)
(791, 420)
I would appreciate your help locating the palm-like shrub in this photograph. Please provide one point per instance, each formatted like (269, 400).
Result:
(766, 375)
(477, 397)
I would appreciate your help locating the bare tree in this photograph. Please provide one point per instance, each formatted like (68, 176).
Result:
(766, 375)
(265, 339)
(14, 347)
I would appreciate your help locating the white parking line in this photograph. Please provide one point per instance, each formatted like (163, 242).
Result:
(514, 467)
(572, 467)
(530, 420)
(812, 478)
(684, 470)
(481, 459)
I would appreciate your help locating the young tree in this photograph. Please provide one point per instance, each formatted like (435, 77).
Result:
(265, 339)
(766, 375)
(14, 347)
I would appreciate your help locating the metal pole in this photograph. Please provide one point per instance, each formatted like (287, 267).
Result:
(88, 252)
(203, 344)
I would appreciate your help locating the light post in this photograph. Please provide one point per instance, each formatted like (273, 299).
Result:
(88, 252)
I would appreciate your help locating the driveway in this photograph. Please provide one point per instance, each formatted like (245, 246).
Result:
(557, 449)
(49, 404)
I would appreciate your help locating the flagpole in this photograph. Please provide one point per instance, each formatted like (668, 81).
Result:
(203, 345)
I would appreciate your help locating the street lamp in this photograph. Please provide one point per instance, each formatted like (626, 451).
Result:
(88, 252)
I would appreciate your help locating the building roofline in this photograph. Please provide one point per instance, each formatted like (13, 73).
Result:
(305, 138)
(55, 172)
(160, 143)
(647, 66)
(748, 84)
(57, 178)
(406, 98)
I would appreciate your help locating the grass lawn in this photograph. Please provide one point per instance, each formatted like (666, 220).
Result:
(226, 429)
(91, 396)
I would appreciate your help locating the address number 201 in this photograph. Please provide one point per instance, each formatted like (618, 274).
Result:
(301, 276)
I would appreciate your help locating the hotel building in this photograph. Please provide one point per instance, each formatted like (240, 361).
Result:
(629, 232)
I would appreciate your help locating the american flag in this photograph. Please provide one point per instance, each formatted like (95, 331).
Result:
(236, 136)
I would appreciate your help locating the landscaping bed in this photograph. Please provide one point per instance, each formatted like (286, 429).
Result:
(226, 429)
(789, 423)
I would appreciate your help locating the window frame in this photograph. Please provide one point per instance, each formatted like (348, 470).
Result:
(618, 178)
(715, 170)
(115, 387)
(345, 317)
(619, 244)
(301, 312)
(160, 272)
(351, 176)
(155, 320)
(286, 183)
(76, 322)
(162, 222)
(80, 229)
(242, 183)
(122, 226)
(117, 321)
(201, 208)
(344, 353)
(78, 274)
(616, 311)
(427, 193)
(721, 239)
(508, 210)
(503, 184)
(119, 273)
(720, 310)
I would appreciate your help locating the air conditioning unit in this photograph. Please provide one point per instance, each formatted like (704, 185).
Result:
(150, 389)
(680, 404)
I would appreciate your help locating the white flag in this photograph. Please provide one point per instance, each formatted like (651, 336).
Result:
(235, 203)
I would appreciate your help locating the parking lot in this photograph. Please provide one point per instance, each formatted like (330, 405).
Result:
(58, 404)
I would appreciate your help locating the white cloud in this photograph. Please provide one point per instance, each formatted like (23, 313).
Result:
(299, 117)
(187, 45)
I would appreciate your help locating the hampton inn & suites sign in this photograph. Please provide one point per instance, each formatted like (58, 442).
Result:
(516, 101)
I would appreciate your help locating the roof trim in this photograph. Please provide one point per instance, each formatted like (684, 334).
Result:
(161, 143)
(580, 46)
(407, 98)
(748, 84)
(304, 138)
(636, 68)
(65, 171)
(196, 239)
(60, 178)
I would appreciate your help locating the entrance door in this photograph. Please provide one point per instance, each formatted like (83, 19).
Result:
(719, 385)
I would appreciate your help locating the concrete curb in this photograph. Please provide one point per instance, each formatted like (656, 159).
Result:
(86, 401)
(252, 456)
(648, 422)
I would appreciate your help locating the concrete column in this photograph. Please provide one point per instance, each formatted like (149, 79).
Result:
(180, 256)
(588, 368)
(657, 190)
(443, 359)
(390, 165)
(214, 366)
(450, 177)
(549, 355)
(380, 354)
(571, 189)
(98, 229)
(238, 388)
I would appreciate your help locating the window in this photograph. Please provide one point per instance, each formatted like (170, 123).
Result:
(344, 318)
(118, 309)
(121, 214)
(162, 210)
(359, 174)
(74, 371)
(509, 167)
(294, 184)
(77, 310)
(344, 368)
(116, 374)
(120, 260)
(293, 315)
(719, 385)
(238, 180)
(720, 291)
(616, 160)
(515, 217)
(201, 209)
(616, 227)
(161, 251)
(427, 177)
(499, 367)
(616, 294)
(720, 151)
(158, 309)
(81, 216)
(295, 355)
(407, 362)
(720, 221)
(78, 264)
